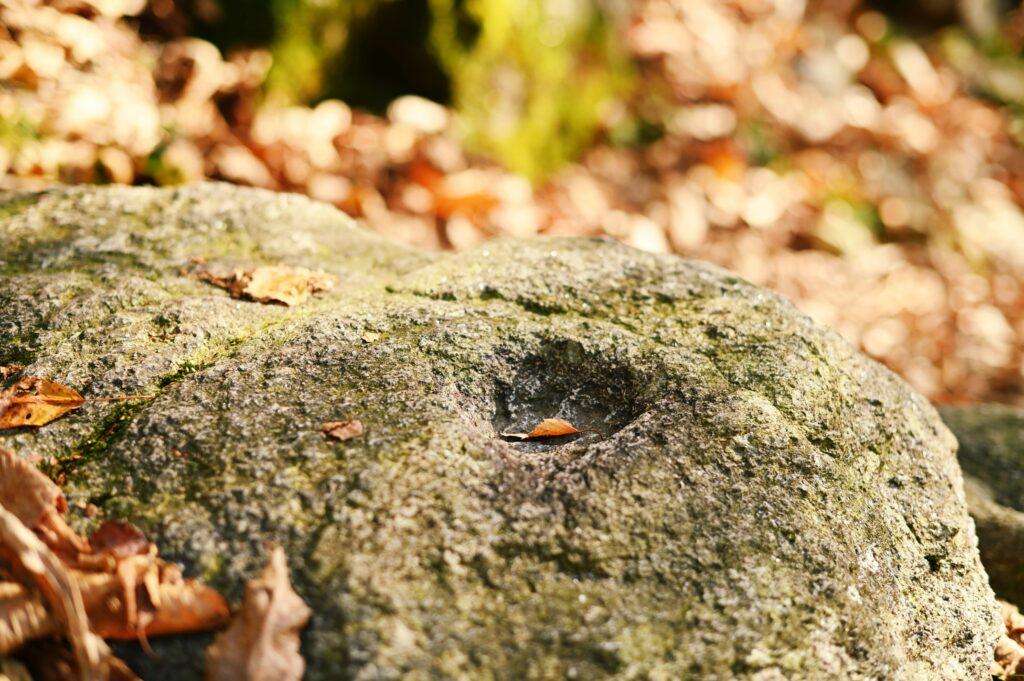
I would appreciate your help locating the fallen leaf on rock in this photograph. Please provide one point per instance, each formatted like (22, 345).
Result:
(547, 428)
(342, 430)
(262, 643)
(276, 284)
(35, 402)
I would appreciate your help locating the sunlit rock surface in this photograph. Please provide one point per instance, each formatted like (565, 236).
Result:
(755, 500)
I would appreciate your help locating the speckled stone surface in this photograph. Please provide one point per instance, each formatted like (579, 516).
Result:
(757, 500)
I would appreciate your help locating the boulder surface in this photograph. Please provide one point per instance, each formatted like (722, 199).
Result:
(752, 498)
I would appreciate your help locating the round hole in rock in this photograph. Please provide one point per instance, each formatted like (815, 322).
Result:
(596, 394)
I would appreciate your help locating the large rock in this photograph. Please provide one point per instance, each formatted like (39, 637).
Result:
(756, 500)
(992, 457)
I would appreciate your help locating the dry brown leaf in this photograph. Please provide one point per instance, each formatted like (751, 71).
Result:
(262, 643)
(119, 539)
(26, 492)
(1009, 654)
(35, 402)
(342, 430)
(546, 428)
(288, 285)
(8, 370)
(274, 285)
(149, 598)
(24, 617)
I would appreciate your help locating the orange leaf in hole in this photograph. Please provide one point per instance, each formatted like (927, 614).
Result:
(547, 428)
(35, 402)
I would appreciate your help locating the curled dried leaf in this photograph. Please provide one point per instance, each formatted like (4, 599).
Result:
(145, 597)
(26, 492)
(342, 430)
(35, 402)
(1009, 657)
(119, 539)
(546, 428)
(262, 643)
(275, 284)
(34, 562)
(38, 503)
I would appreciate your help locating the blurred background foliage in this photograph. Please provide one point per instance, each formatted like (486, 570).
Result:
(530, 78)
(863, 157)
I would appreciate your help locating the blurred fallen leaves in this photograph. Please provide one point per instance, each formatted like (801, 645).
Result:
(342, 430)
(58, 583)
(288, 286)
(262, 643)
(811, 147)
(58, 607)
(546, 428)
(1009, 654)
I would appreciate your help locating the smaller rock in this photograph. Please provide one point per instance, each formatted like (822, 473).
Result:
(992, 458)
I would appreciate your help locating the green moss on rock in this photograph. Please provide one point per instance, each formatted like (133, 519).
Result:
(755, 500)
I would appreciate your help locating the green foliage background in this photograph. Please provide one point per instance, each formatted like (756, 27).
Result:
(531, 79)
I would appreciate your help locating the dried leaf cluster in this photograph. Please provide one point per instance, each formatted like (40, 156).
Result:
(9, 370)
(274, 285)
(112, 585)
(1009, 655)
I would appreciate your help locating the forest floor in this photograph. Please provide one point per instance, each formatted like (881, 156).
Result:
(871, 175)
